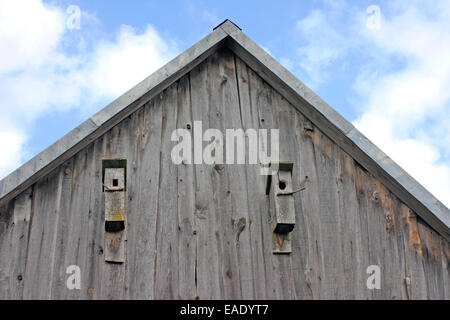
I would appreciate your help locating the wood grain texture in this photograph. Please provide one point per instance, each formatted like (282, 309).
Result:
(203, 231)
(187, 244)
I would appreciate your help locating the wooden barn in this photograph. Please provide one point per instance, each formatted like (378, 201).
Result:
(107, 203)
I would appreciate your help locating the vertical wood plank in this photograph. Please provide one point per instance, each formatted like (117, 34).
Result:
(332, 268)
(262, 94)
(148, 189)
(39, 267)
(254, 189)
(186, 202)
(92, 280)
(354, 266)
(446, 267)
(73, 222)
(311, 209)
(291, 265)
(432, 260)
(6, 234)
(363, 205)
(237, 234)
(63, 217)
(417, 288)
(19, 243)
(166, 277)
(207, 262)
(220, 74)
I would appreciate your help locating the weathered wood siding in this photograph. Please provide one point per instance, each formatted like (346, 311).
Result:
(201, 231)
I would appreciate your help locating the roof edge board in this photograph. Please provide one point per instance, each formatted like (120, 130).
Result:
(74, 141)
(341, 131)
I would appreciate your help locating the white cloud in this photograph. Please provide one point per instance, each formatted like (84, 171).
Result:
(29, 32)
(211, 17)
(403, 105)
(132, 57)
(11, 141)
(38, 74)
(403, 80)
(323, 44)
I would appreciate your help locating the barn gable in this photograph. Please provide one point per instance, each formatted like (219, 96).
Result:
(202, 231)
(307, 102)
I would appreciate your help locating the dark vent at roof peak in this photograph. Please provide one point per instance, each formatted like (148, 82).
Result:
(225, 22)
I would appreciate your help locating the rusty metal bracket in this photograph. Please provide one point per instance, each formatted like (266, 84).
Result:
(112, 189)
(289, 193)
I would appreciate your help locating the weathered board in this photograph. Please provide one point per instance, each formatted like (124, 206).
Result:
(203, 231)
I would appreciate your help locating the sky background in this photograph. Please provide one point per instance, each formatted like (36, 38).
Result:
(384, 66)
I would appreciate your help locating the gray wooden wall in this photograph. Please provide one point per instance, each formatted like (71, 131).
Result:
(184, 239)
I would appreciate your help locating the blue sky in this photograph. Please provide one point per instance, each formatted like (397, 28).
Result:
(384, 66)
